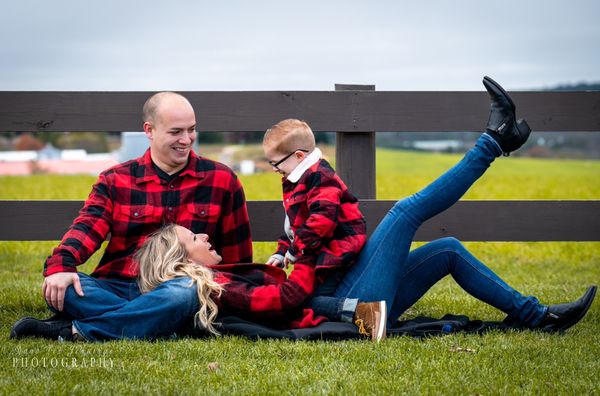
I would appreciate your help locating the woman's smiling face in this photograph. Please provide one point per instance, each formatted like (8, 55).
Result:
(198, 249)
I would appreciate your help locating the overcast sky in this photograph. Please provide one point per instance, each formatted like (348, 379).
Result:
(300, 45)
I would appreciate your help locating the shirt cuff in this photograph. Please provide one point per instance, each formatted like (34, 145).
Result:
(291, 258)
(277, 256)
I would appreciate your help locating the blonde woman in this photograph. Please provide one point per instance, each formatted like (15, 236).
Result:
(257, 292)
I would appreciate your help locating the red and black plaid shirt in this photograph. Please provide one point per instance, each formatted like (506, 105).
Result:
(130, 201)
(324, 218)
(264, 294)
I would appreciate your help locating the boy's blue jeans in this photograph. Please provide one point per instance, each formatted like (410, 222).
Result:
(115, 309)
(385, 270)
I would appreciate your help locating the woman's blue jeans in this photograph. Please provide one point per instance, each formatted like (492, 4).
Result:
(385, 270)
(115, 309)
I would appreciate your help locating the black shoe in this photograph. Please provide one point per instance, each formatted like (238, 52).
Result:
(55, 317)
(562, 316)
(501, 125)
(32, 327)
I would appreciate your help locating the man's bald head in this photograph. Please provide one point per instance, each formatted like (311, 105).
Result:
(170, 124)
(152, 107)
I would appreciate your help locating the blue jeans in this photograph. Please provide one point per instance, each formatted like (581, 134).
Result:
(115, 309)
(385, 270)
(333, 308)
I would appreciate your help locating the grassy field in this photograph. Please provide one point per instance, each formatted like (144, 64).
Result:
(497, 363)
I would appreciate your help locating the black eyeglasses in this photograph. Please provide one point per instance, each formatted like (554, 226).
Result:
(276, 164)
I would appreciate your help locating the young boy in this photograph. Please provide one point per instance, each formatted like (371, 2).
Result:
(322, 219)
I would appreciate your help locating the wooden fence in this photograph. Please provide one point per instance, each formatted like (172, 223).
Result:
(354, 112)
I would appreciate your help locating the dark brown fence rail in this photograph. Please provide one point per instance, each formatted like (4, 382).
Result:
(467, 220)
(343, 111)
(348, 110)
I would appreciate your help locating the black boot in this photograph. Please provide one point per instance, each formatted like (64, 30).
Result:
(502, 124)
(562, 316)
(53, 330)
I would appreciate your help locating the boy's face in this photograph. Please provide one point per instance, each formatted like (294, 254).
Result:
(283, 163)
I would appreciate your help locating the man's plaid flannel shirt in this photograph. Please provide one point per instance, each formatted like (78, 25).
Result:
(130, 201)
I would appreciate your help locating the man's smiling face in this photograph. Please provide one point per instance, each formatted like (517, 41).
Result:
(172, 133)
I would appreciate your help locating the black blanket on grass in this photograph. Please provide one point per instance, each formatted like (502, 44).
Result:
(418, 327)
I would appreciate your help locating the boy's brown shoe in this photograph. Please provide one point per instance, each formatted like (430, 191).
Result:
(371, 319)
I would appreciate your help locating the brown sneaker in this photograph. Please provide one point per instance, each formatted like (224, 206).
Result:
(371, 319)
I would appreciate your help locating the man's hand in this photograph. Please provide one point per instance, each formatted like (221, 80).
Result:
(55, 285)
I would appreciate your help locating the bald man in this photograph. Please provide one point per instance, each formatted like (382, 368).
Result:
(168, 184)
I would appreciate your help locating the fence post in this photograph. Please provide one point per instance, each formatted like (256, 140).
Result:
(355, 154)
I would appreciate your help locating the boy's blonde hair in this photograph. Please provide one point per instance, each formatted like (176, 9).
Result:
(289, 135)
(163, 257)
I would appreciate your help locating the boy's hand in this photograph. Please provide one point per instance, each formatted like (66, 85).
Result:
(277, 260)
(274, 262)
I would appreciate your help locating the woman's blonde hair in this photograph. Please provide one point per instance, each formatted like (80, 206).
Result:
(163, 257)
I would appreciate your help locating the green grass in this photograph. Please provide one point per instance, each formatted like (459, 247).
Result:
(502, 363)
(403, 173)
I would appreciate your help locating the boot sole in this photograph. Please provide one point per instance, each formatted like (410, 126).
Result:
(499, 88)
(588, 296)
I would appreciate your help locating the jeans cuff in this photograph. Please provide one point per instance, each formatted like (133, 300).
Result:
(544, 312)
(498, 150)
(80, 332)
(348, 309)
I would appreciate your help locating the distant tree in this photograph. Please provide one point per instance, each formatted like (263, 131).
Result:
(209, 137)
(5, 143)
(583, 86)
(49, 137)
(92, 142)
(27, 141)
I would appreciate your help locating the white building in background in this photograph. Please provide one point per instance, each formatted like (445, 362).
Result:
(49, 152)
(437, 145)
(18, 156)
(73, 155)
(247, 167)
(133, 145)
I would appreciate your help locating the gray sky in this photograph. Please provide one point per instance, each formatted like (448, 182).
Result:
(301, 45)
